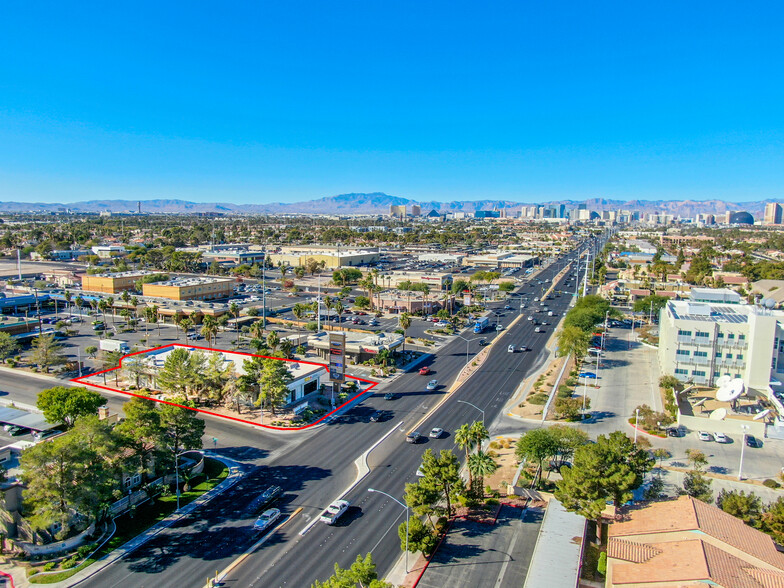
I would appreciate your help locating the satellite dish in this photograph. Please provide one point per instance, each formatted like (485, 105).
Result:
(700, 402)
(728, 393)
(723, 381)
(762, 415)
(738, 386)
(769, 303)
(718, 415)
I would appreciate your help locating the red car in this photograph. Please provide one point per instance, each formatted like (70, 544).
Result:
(360, 313)
(424, 371)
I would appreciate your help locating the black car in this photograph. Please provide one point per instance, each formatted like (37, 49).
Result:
(752, 441)
(390, 396)
(673, 432)
(267, 497)
(483, 342)
(377, 416)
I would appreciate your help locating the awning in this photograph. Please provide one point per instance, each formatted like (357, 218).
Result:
(22, 418)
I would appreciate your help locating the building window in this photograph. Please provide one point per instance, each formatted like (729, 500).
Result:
(731, 336)
(729, 356)
(702, 334)
(718, 354)
(742, 337)
(737, 375)
(720, 335)
(701, 354)
(681, 372)
(683, 352)
(716, 374)
(700, 373)
(683, 333)
(739, 356)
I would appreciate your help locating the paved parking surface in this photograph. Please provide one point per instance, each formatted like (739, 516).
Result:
(478, 554)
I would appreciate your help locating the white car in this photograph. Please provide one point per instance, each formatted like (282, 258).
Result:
(704, 436)
(266, 519)
(436, 433)
(334, 511)
(432, 384)
(511, 349)
(530, 318)
(537, 330)
(442, 324)
(721, 438)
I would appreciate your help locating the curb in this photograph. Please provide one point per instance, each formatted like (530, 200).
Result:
(235, 474)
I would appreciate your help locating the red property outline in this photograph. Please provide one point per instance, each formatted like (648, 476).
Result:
(80, 380)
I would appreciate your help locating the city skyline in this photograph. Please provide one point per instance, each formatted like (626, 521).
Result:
(285, 103)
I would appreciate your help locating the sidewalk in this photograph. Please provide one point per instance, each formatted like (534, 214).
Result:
(235, 474)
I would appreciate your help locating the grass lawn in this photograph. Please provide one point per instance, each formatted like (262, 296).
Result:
(145, 516)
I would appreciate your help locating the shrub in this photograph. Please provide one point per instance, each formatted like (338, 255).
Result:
(491, 502)
(32, 572)
(540, 399)
(48, 567)
(70, 563)
(495, 445)
(601, 566)
(771, 483)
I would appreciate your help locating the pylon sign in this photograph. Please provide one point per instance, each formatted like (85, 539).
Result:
(337, 357)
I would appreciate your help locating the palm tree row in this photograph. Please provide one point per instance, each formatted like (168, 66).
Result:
(480, 463)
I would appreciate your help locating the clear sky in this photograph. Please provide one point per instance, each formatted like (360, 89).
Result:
(286, 101)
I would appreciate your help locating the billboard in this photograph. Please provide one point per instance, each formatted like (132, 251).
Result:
(337, 357)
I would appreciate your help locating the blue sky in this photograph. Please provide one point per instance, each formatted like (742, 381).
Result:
(286, 101)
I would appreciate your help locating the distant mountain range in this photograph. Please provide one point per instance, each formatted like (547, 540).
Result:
(379, 203)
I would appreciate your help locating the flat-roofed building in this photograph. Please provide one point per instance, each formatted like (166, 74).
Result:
(198, 288)
(435, 280)
(233, 256)
(359, 346)
(332, 257)
(700, 341)
(499, 260)
(112, 283)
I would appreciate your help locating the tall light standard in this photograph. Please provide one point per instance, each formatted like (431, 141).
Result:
(467, 342)
(476, 407)
(404, 506)
(742, 447)
(636, 420)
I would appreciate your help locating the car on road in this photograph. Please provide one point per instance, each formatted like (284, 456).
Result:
(390, 396)
(510, 349)
(266, 519)
(752, 441)
(530, 318)
(334, 511)
(538, 330)
(483, 342)
(721, 437)
(424, 371)
(432, 385)
(674, 432)
(413, 437)
(704, 436)
(499, 327)
(436, 433)
(16, 431)
(523, 348)
(377, 416)
(588, 375)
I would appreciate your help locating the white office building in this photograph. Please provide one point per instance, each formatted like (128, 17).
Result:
(701, 341)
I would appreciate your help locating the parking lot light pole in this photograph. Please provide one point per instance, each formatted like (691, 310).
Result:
(476, 407)
(404, 506)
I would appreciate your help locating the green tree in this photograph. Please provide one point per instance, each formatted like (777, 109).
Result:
(234, 311)
(179, 371)
(362, 573)
(772, 520)
(747, 507)
(64, 405)
(273, 340)
(572, 340)
(653, 303)
(8, 346)
(209, 329)
(481, 464)
(47, 352)
(182, 429)
(536, 445)
(91, 350)
(142, 433)
(608, 469)
(567, 440)
(420, 537)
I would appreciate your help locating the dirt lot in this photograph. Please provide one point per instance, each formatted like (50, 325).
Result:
(504, 450)
(537, 395)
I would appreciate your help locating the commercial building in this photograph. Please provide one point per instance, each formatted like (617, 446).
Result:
(686, 542)
(359, 346)
(436, 281)
(416, 210)
(200, 288)
(112, 283)
(233, 256)
(700, 341)
(773, 213)
(441, 258)
(108, 251)
(500, 260)
(60, 255)
(397, 210)
(332, 257)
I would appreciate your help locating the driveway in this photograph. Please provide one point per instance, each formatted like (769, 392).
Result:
(479, 554)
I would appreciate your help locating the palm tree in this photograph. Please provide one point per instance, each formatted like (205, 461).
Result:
(405, 322)
(465, 441)
(68, 297)
(339, 309)
(479, 433)
(110, 306)
(209, 329)
(481, 464)
(79, 301)
(273, 340)
(185, 325)
(257, 330)
(234, 310)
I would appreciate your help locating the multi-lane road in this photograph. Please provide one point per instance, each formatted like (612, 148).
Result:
(316, 466)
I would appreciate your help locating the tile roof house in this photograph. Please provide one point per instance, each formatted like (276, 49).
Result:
(686, 542)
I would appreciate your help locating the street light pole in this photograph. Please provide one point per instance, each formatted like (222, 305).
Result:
(636, 420)
(467, 342)
(404, 506)
(476, 407)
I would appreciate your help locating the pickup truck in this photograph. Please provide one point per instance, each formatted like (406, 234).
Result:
(334, 511)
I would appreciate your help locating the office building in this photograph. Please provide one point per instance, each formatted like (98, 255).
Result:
(701, 341)
(436, 281)
(199, 288)
(112, 283)
(332, 257)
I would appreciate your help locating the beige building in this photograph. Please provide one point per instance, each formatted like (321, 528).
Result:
(332, 257)
(112, 283)
(773, 214)
(686, 542)
(201, 288)
(437, 281)
(397, 210)
(701, 341)
(500, 260)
